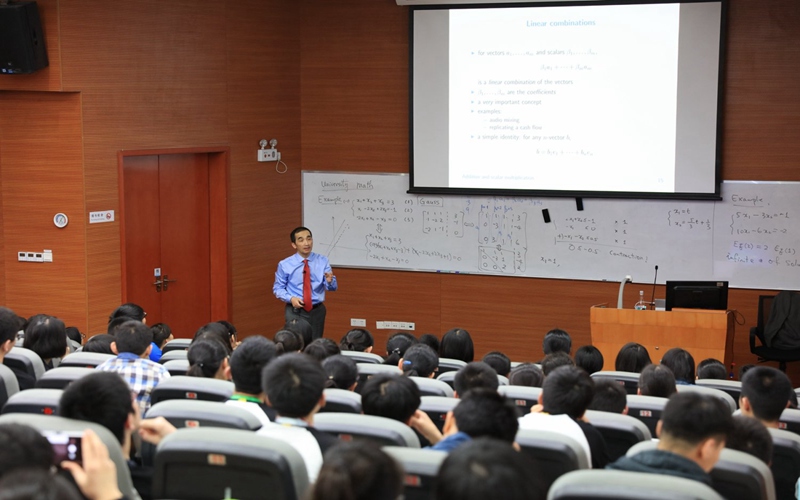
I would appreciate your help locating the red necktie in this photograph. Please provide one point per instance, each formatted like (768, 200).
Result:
(306, 286)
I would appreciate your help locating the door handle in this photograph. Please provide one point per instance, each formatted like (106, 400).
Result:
(167, 281)
(158, 284)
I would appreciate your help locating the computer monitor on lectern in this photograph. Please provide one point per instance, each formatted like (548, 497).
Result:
(697, 295)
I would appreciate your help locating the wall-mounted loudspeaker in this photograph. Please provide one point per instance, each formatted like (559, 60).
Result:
(22, 47)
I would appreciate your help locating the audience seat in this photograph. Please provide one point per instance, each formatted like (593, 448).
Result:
(55, 423)
(785, 461)
(621, 485)
(790, 420)
(9, 386)
(450, 365)
(523, 397)
(620, 432)
(647, 409)
(176, 345)
(177, 367)
(85, 359)
(732, 387)
(421, 468)
(629, 380)
(385, 431)
(207, 463)
(555, 454)
(364, 357)
(182, 387)
(25, 360)
(710, 391)
(450, 377)
(188, 413)
(432, 387)
(60, 378)
(39, 401)
(437, 407)
(341, 401)
(366, 370)
(174, 354)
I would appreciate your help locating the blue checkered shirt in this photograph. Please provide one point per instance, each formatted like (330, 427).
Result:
(141, 374)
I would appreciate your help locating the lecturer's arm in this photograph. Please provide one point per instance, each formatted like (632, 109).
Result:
(280, 287)
(330, 280)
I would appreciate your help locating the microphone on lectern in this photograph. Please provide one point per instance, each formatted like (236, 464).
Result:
(653, 297)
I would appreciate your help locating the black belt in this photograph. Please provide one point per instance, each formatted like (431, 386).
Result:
(300, 308)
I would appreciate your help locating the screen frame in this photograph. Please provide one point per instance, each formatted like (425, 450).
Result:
(674, 287)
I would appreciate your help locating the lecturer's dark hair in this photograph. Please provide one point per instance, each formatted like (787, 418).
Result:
(293, 234)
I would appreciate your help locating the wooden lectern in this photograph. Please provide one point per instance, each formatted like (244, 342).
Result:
(704, 333)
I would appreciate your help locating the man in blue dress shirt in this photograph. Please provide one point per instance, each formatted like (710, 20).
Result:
(301, 281)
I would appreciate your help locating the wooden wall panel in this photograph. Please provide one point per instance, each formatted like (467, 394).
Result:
(48, 78)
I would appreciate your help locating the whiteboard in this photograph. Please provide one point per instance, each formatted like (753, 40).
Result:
(369, 221)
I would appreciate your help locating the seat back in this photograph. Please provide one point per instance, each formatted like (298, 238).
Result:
(620, 432)
(55, 423)
(523, 397)
(732, 387)
(9, 386)
(60, 378)
(448, 377)
(39, 401)
(437, 407)
(172, 355)
(176, 345)
(647, 409)
(385, 431)
(629, 380)
(710, 391)
(622, 485)
(177, 367)
(555, 454)
(341, 401)
(421, 468)
(785, 461)
(25, 360)
(364, 357)
(450, 365)
(432, 387)
(740, 476)
(183, 387)
(205, 463)
(367, 370)
(85, 359)
(790, 420)
(188, 413)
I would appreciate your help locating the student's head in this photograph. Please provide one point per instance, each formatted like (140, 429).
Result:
(555, 360)
(765, 394)
(129, 310)
(358, 339)
(322, 348)
(390, 396)
(744, 369)
(287, 341)
(23, 447)
(420, 361)
(216, 331)
(657, 381)
(162, 334)
(430, 340)
(488, 468)
(485, 413)
(9, 326)
(711, 368)
(457, 344)
(294, 384)
(557, 340)
(358, 470)
(207, 359)
(248, 361)
(632, 357)
(114, 324)
(37, 484)
(567, 390)
(103, 398)
(681, 363)
(100, 343)
(232, 335)
(609, 396)
(342, 372)
(397, 345)
(695, 425)
(474, 375)
(46, 336)
(750, 436)
(74, 334)
(527, 374)
(499, 361)
(301, 327)
(589, 358)
(133, 337)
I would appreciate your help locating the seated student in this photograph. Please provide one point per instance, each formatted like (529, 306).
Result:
(357, 339)
(632, 357)
(396, 347)
(322, 348)
(358, 470)
(46, 336)
(23, 447)
(342, 372)
(565, 396)
(682, 365)
(294, 385)
(131, 311)
(162, 334)
(216, 331)
(74, 335)
(744, 369)
(499, 361)
(713, 369)
(692, 431)
(99, 343)
(457, 344)
(430, 340)
(488, 468)
(526, 374)
(419, 361)
(657, 381)
(589, 358)
(609, 396)
(301, 327)
(208, 359)
(752, 437)
(288, 341)
(132, 343)
(480, 413)
(232, 338)
(474, 375)
(246, 364)
(555, 360)
(765, 394)
(9, 325)
(557, 340)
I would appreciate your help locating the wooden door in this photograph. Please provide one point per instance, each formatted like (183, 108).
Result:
(166, 220)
